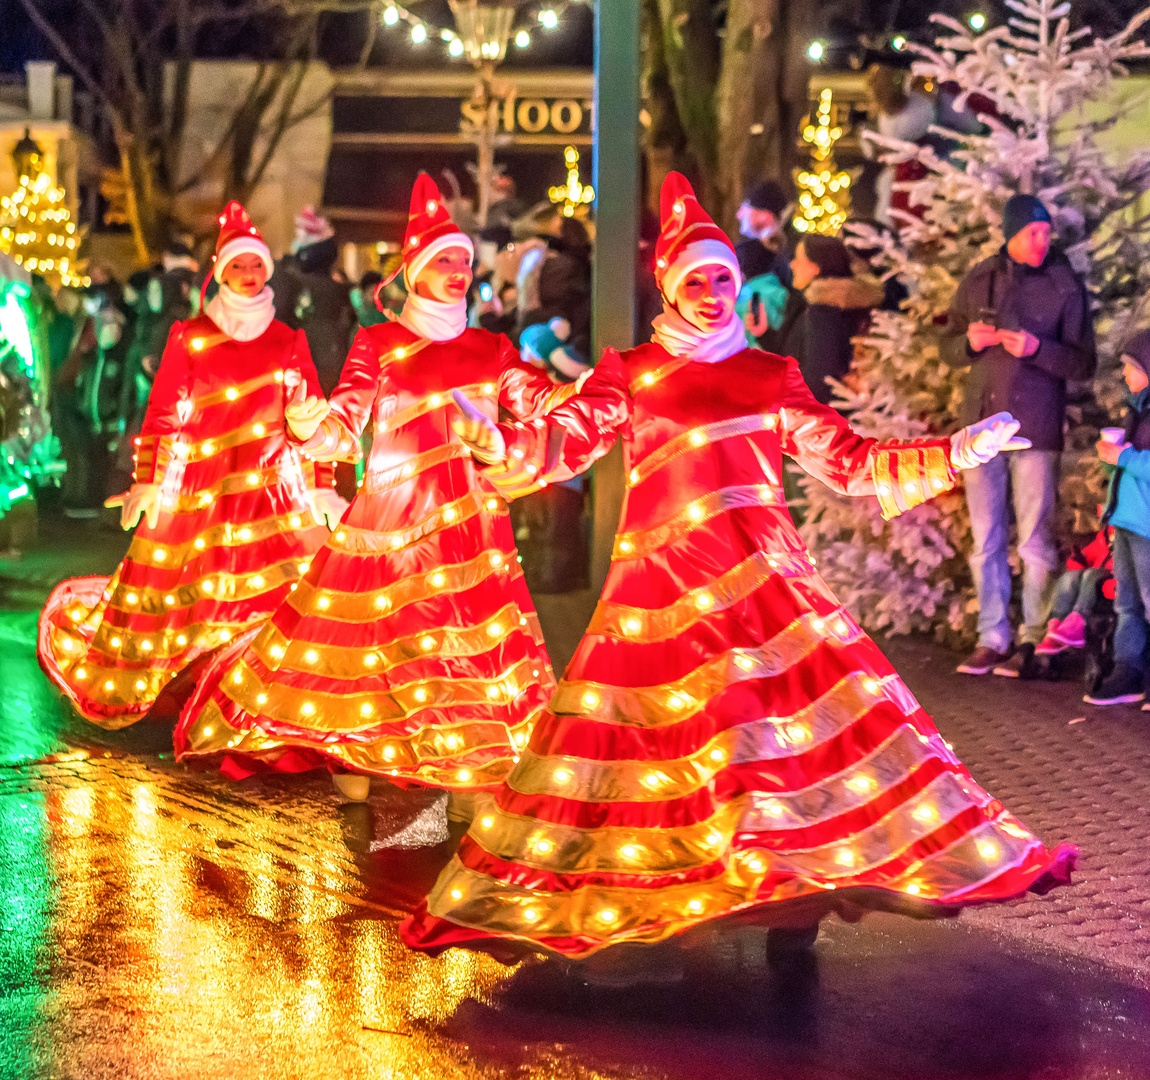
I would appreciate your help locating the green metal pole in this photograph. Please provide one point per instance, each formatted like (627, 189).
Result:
(616, 232)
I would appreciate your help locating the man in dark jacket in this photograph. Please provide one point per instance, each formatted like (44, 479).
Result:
(1021, 320)
(762, 216)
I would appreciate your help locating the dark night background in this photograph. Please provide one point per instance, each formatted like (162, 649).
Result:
(841, 24)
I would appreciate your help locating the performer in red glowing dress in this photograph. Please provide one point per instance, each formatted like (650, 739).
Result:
(726, 738)
(411, 648)
(231, 512)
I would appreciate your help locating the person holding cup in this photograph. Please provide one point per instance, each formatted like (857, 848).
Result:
(1021, 321)
(1128, 511)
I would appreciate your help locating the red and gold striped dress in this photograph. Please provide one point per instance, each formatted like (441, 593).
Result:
(726, 738)
(234, 533)
(412, 648)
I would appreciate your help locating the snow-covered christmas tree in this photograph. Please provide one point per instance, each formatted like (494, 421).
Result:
(1044, 83)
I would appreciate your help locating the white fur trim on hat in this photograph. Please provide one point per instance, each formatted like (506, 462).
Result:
(700, 253)
(243, 245)
(449, 240)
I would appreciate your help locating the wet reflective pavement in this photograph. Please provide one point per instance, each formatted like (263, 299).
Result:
(165, 923)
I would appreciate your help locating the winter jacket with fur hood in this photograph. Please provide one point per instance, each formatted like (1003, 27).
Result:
(837, 309)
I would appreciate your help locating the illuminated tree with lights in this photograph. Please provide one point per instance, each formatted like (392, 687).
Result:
(1046, 84)
(574, 197)
(36, 227)
(824, 189)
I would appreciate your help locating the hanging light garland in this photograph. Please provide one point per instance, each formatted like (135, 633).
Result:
(824, 190)
(545, 15)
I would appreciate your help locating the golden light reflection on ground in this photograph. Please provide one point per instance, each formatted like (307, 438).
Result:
(187, 940)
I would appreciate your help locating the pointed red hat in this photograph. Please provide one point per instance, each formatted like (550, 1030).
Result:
(688, 238)
(429, 230)
(238, 236)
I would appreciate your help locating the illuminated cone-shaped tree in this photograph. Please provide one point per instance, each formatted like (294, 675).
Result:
(824, 189)
(1052, 93)
(36, 229)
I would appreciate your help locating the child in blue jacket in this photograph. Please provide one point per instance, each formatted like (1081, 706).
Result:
(1128, 511)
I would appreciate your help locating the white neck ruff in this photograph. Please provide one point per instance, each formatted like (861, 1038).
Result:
(433, 319)
(682, 338)
(242, 318)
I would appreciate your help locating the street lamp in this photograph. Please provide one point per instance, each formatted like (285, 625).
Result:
(977, 21)
(484, 27)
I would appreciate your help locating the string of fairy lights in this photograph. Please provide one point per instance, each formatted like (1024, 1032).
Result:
(546, 16)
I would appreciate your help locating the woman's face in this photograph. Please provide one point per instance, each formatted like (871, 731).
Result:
(803, 271)
(245, 274)
(706, 296)
(447, 277)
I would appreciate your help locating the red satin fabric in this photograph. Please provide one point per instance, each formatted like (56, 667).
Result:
(209, 390)
(600, 834)
(427, 535)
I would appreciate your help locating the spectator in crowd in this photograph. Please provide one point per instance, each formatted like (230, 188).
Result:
(1021, 320)
(838, 307)
(1128, 511)
(906, 114)
(556, 336)
(311, 297)
(505, 206)
(762, 215)
(1089, 574)
(136, 383)
(367, 312)
(563, 289)
(495, 306)
(86, 392)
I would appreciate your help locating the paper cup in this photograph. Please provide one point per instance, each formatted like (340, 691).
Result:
(1113, 435)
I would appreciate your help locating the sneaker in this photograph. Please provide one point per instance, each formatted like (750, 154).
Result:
(1070, 633)
(1122, 686)
(982, 661)
(1020, 666)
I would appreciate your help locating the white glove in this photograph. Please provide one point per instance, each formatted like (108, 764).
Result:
(139, 501)
(477, 432)
(327, 506)
(303, 414)
(979, 443)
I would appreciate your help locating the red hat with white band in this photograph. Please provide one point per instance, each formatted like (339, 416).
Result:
(430, 230)
(688, 238)
(238, 236)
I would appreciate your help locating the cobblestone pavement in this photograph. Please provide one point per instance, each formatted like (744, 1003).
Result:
(162, 923)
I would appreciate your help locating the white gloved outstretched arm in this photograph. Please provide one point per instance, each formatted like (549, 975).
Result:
(979, 443)
(139, 501)
(478, 432)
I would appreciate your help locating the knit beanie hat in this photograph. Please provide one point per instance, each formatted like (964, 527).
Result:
(1137, 351)
(768, 195)
(1020, 211)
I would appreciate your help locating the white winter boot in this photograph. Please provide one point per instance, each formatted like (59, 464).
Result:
(352, 786)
